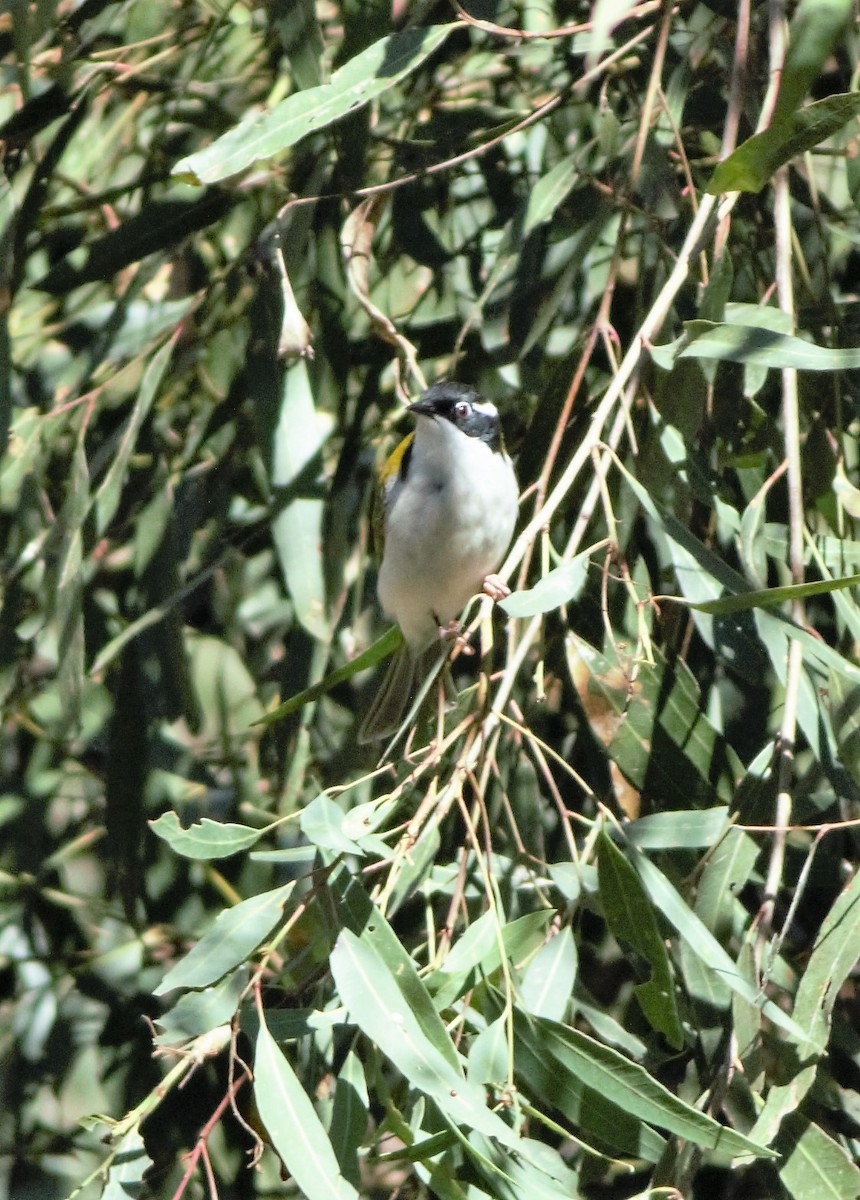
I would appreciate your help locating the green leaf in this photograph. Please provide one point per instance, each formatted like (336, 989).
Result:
(488, 1053)
(349, 1117)
(834, 956)
(541, 1176)
(358, 914)
(814, 1165)
(702, 942)
(234, 936)
(548, 193)
(382, 648)
(379, 1009)
(814, 33)
(129, 1163)
(558, 587)
(678, 830)
(768, 597)
(547, 985)
(631, 1089)
(756, 160)
(206, 839)
(362, 79)
(107, 496)
(293, 1125)
(541, 1076)
(726, 872)
(195, 1013)
(297, 527)
(478, 951)
(700, 569)
(763, 347)
(631, 918)
(321, 822)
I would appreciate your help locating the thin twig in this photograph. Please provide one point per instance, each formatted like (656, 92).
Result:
(785, 749)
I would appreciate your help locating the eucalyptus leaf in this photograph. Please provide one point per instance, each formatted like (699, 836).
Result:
(356, 83)
(234, 936)
(756, 160)
(206, 839)
(561, 585)
(378, 1007)
(291, 1121)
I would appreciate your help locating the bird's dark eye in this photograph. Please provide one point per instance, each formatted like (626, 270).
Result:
(462, 410)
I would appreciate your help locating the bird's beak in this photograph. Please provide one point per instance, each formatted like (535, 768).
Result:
(422, 408)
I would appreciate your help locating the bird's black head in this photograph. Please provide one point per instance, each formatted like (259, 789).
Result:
(463, 407)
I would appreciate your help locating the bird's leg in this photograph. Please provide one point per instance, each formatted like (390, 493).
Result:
(496, 588)
(453, 632)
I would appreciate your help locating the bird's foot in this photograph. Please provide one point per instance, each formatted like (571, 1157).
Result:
(496, 588)
(453, 632)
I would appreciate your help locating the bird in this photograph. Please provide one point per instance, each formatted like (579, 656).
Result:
(449, 500)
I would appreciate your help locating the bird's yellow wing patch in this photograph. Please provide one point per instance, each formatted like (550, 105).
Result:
(386, 476)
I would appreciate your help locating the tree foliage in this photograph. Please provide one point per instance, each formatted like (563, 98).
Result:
(594, 930)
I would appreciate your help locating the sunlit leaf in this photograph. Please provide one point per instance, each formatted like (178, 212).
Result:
(234, 936)
(815, 1164)
(754, 162)
(560, 586)
(360, 80)
(293, 1125)
(378, 1007)
(297, 525)
(629, 1086)
(205, 839)
(547, 984)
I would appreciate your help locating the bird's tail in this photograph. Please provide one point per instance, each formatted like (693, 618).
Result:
(405, 683)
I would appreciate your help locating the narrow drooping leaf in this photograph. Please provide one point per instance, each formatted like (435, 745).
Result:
(297, 525)
(234, 936)
(703, 944)
(548, 193)
(631, 918)
(349, 1117)
(107, 496)
(678, 830)
(834, 955)
(378, 1007)
(359, 81)
(547, 985)
(633, 1090)
(814, 1164)
(764, 347)
(360, 915)
(754, 162)
(292, 1123)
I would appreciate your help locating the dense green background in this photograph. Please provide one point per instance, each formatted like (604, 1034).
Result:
(601, 939)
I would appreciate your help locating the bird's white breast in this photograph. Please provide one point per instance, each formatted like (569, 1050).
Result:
(446, 529)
